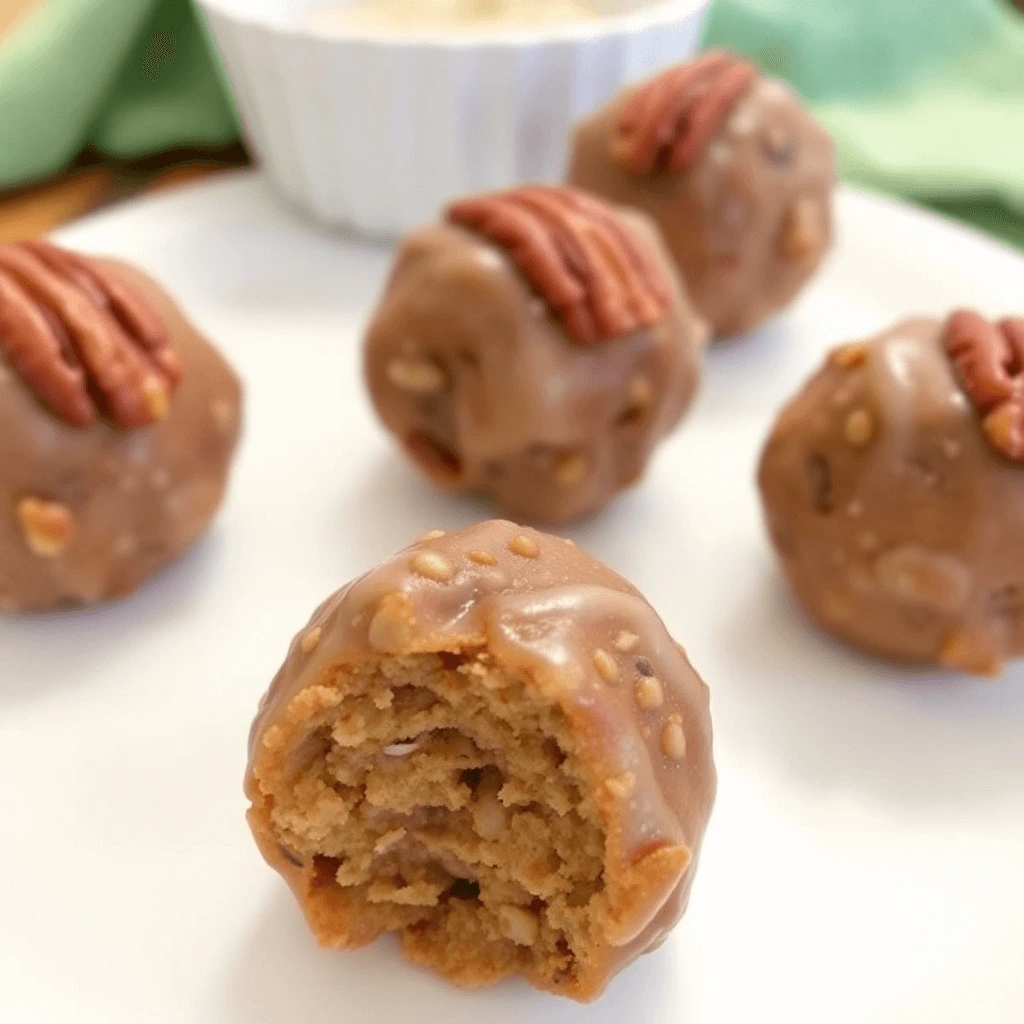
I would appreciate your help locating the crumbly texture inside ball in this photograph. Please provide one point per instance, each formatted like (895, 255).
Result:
(436, 796)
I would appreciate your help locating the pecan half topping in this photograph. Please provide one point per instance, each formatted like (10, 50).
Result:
(580, 257)
(989, 359)
(665, 124)
(86, 343)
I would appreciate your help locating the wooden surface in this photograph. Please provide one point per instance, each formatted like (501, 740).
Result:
(37, 209)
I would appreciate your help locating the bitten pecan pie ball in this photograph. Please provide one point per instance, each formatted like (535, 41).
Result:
(490, 745)
(734, 171)
(893, 486)
(535, 346)
(117, 427)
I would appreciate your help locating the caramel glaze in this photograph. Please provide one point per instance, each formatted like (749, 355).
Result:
(747, 222)
(136, 498)
(897, 524)
(496, 399)
(541, 617)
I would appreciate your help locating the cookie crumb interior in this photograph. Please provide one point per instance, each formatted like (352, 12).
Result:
(437, 796)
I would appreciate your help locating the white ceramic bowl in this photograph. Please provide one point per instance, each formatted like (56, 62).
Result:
(375, 132)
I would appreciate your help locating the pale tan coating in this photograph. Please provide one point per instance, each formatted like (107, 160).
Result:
(749, 222)
(898, 525)
(89, 514)
(571, 640)
(478, 381)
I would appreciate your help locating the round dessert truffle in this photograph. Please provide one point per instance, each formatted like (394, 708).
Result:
(535, 346)
(117, 427)
(734, 171)
(893, 488)
(490, 745)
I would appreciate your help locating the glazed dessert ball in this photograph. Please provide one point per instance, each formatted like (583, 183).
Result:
(734, 171)
(535, 346)
(893, 488)
(490, 745)
(117, 427)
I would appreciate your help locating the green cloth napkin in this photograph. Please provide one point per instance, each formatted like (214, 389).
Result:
(925, 98)
(131, 77)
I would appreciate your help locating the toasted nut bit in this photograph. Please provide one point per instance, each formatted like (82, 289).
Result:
(912, 574)
(418, 376)
(1000, 426)
(525, 547)
(606, 666)
(570, 468)
(649, 693)
(431, 565)
(621, 785)
(802, 231)
(626, 642)
(519, 925)
(859, 427)
(49, 526)
(311, 640)
(640, 393)
(391, 625)
(964, 652)
(482, 558)
(489, 817)
(432, 535)
(156, 398)
(849, 356)
(386, 841)
(673, 739)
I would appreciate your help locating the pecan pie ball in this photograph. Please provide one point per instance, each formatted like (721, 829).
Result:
(893, 487)
(118, 422)
(535, 345)
(734, 171)
(490, 745)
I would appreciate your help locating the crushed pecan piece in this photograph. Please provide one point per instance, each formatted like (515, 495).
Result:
(578, 254)
(665, 124)
(85, 342)
(989, 359)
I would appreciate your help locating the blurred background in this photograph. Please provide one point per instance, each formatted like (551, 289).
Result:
(104, 99)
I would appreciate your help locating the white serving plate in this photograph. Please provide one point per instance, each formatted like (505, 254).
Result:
(866, 855)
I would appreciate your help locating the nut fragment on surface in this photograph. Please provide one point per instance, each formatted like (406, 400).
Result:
(848, 357)
(432, 535)
(416, 375)
(570, 468)
(621, 786)
(482, 558)
(673, 739)
(649, 693)
(525, 547)
(625, 641)
(48, 526)
(859, 427)
(803, 231)
(311, 640)
(432, 566)
(392, 623)
(606, 666)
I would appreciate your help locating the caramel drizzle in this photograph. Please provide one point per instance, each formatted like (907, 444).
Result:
(598, 278)
(86, 343)
(666, 123)
(989, 359)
